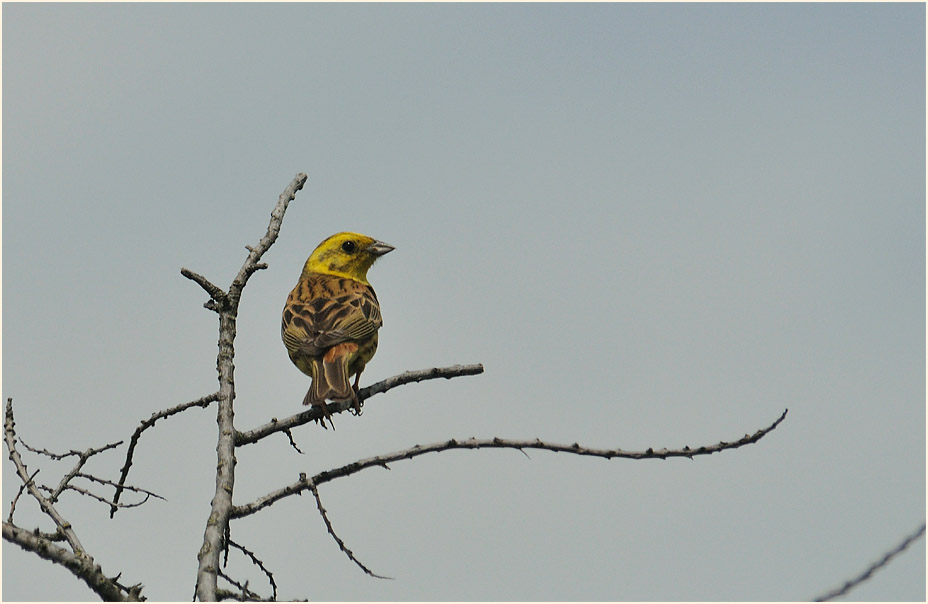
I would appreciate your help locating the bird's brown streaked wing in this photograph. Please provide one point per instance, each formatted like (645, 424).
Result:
(313, 324)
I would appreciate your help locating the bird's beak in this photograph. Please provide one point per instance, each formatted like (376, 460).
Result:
(379, 248)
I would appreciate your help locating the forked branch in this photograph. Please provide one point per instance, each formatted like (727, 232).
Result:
(217, 523)
(75, 558)
(48, 508)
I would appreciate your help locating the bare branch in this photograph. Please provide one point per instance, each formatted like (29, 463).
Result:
(252, 263)
(216, 294)
(63, 525)
(78, 561)
(381, 461)
(146, 424)
(849, 585)
(221, 506)
(315, 413)
(47, 453)
(341, 544)
(81, 565)
(148, 494)
(420, 375)
(65, 483)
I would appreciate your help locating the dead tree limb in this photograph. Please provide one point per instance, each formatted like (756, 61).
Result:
(82, 565)
(75, 558)
(226, 305)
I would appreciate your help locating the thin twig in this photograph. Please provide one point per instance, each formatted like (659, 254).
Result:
(851, 584)
(75, 471)
(19, 493)
(203, 402)
(315, 413)
(77, 468)
(93, 495)
(259, 564)
(129, 488)
(381, 461)
(47, 453)
(341, 544)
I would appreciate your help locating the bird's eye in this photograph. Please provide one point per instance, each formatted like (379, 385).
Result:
(349, 247)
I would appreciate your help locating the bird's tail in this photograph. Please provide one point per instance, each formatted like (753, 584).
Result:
(330, 376)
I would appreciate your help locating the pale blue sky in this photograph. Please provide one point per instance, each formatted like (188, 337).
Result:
(655, 225)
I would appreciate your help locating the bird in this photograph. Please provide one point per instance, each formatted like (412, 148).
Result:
(330, 321)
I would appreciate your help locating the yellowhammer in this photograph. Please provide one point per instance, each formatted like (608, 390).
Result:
(331, 318)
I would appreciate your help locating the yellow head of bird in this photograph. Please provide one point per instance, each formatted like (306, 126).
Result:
(347, 255)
